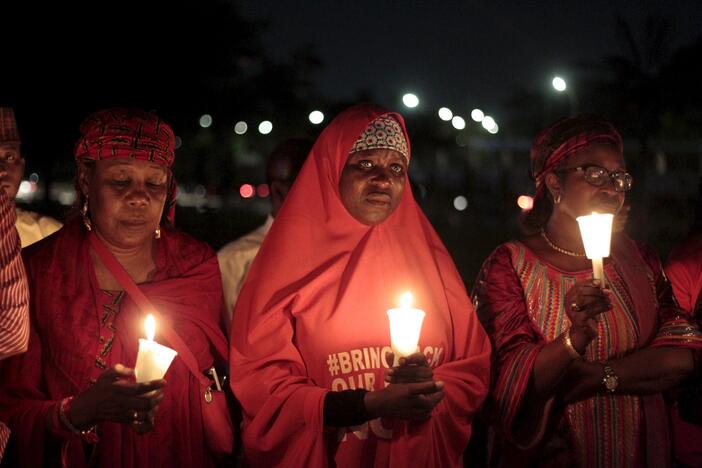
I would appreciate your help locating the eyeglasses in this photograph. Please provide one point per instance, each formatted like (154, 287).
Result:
(598, 176)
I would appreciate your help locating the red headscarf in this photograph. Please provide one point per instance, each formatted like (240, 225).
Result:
(129, 133)
(565, 138)
(319, 287)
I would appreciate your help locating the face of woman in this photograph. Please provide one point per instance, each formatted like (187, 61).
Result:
(372, 184)
(578, 196)
(126, 199)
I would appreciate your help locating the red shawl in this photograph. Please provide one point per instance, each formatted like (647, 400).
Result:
(311, 318)
(64, 343)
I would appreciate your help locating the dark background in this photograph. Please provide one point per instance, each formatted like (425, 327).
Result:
(636, 62)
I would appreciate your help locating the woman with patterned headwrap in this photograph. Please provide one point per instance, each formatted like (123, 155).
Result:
(71, 400)
(578, 369)
(310, 331)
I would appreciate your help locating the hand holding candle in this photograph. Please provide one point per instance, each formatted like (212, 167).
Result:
(153, 359)
(405, 328)
(596, 230)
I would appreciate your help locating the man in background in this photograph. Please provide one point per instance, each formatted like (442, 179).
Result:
(235, 258)
(31, 226)
(14, 294)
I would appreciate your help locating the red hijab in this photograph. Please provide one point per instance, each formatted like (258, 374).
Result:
(322, 282)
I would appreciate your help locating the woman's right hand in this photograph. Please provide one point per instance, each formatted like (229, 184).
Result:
(115, 398)
(583, 303)
(410, 401)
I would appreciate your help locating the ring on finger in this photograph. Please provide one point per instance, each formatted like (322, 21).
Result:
(575, 307)
(135, 416)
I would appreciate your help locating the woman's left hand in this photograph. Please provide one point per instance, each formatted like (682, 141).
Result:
(146, 421)
(412, 369)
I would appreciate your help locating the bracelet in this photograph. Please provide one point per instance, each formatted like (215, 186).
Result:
(89, 435)
(568, 342)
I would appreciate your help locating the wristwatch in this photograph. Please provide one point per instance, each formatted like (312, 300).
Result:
(610, 379)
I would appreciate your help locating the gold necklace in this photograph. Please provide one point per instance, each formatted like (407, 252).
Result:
(560, 249)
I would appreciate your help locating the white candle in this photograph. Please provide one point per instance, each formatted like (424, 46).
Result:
(596, 231)
(405, 327)
(153, 359)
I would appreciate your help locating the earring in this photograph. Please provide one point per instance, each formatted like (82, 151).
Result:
(557, 199)
(86, 218)
(157, 232)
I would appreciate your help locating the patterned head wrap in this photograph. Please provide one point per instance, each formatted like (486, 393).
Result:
(384, 132)
(129, 133)
(126, 133)
(565, 138)
(8, 126)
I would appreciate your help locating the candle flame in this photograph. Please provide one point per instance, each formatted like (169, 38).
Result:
(406, 300)
(150, 325)
(596, 232)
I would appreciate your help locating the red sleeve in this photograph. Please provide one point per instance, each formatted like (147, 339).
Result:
(14, 295)
(283, 410)
(25, 405)
(441, 440)
(500, 303)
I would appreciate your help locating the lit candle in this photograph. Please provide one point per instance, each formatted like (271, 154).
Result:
(405, 327)
(153, 359)
(596, 230)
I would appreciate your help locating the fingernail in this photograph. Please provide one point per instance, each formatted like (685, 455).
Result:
(439, 384)
(402, 361)
(596, 282)
(391, 371)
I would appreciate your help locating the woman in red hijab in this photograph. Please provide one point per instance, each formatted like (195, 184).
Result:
(71, 400)
(578, 370)
(310, 334)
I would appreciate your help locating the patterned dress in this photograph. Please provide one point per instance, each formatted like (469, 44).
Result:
(520, 301)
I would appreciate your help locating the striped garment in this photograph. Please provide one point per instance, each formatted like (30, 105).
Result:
(605, 430)
(14, 294)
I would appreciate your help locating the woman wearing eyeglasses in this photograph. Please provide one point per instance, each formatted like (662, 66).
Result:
(578, 370)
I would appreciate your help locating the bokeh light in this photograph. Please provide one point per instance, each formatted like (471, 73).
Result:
(246, 190)
(445, 114)
(410, 100)
(316, 117)
(240, 127)
(477, 115)
(559, 84)
(488, 123)
(525, 202)
(205, 120)
(460, 203)
(265, 127)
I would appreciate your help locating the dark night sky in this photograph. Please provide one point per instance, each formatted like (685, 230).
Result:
(156, 54)
(462, 54)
